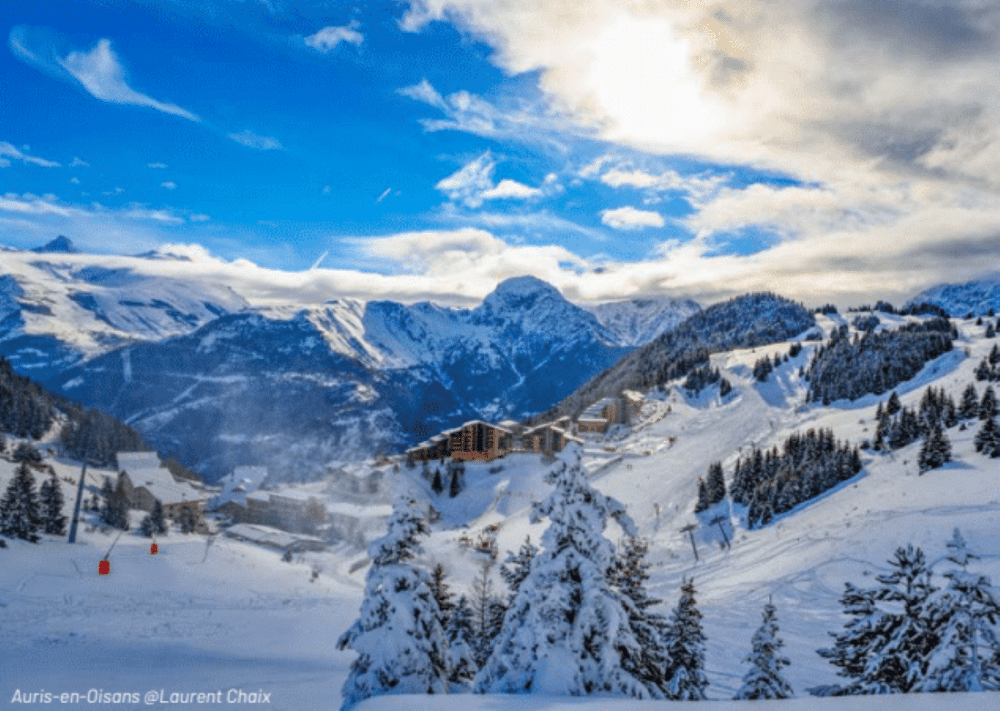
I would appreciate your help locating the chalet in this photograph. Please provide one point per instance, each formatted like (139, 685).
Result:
(146, 482)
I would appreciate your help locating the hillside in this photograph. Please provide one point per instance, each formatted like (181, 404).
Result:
(161, 612)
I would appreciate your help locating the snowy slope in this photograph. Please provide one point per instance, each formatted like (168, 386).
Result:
(243, 619)
(975, 297)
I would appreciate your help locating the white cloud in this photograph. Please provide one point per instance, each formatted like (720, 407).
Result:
(157, 166)
(79, 163)
(510, 189)
(8, 150)
(169, 185)
(472, 184)
(329, 37)
(426, 93)
(698, 187)
(102, 75)
(513, 119)
(384, 195)
(252, 140)
(74, 180)
(628, 218)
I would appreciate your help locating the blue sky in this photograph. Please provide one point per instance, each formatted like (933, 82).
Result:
(614, 148)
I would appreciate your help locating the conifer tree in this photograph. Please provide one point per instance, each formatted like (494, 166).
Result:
(716, 483)
(987, 440)
(629, 574)
(966, 614)
(702, 503)
(936, 449)
(882, 649)
(484, 604)
(20, 516)
(461, 659)
(442, 593)
(398, 636)
(892, 405)
(764, 680)
(50, 494)
(988, 405)
(685, 644)
(567, 631)
(154, 523)
(994, 356)
(437, 485)
(969, 408)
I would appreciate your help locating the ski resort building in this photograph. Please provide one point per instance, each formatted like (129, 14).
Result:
(609, 411)
(481, 441)
(295, 511)
(236, 485)
(147, 482)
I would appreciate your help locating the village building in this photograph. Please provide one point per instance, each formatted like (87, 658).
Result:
(604, 413)
(548, 438)
(289, 510)
(274, 538)
(146, 482)
(357, 523)
(232, 499)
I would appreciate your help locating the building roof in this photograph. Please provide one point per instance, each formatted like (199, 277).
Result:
(162, 486)
(128, 461)
(481, 422)
(292, 495)
(359, 511)
(240, 482)
(267, 535)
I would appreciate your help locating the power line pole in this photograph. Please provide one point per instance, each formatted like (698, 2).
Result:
(76, 509)
(689, 529)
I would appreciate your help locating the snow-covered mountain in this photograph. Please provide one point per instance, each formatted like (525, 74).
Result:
(58, 308)
(639, 321)
(236, 606)
(975, 297)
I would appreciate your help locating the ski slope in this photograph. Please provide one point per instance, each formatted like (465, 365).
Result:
(198, 618)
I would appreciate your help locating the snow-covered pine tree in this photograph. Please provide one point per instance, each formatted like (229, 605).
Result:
(461, 659)
(51, 499)
(517, 566)
(702, 504)
(883, 647)
(716, 483)
(398, 636)
(764, 680)
(892, 405)
(988, 405)
(965, 616)
(936, 449)
(685, 645)
(567, 631)
(20, 516)
(994, 356)
(158, 519)
(629, 575)
(987, 439)
(969, 407)
(437, 485)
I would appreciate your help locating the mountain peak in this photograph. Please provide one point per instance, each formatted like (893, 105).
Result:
(59, 244)
(522, 287)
